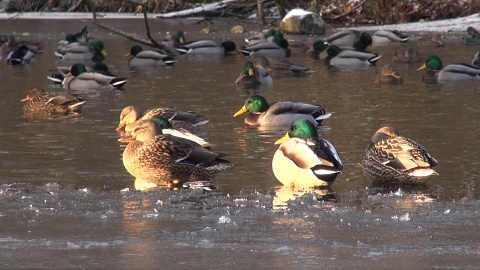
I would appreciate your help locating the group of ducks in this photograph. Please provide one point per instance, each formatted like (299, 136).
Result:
(163, 148)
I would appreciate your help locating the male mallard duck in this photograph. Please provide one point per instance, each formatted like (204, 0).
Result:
(385, 37)
(260, 37)
(281, 68)
(206, 47)
(11, 44)
(168, 160)
(252, 75)
(349, 58)
(38, 100)
(305, 160)
(452, 72)
(141, 58)
(473, 36)
(84, 80)
(409, 55)
(179, 119)
(279, 114)
(350, 38)
(388, 75)
(94, 52)
(391, 158)
(278, 48)
(99, 67)
(435, 41)
(20, 56)
(174, 41)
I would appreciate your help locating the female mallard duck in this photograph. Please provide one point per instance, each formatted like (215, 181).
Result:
(84, 80)
(350, 38)
(473, 36)
(435, 41)
(168, 160)
(94, 52)
(206, 47)
(452, 72)
(149, 58)
(279, 114)
(409, 55)
(19, 56)
(179, 119)
(349, 58)
(391, 158)
(385, 37)
(388, 75)
(281, 68)
(252, 76)
(277, 48)
(305, 160)
(38, 101)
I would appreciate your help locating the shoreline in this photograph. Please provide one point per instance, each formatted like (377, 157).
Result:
(457, 25)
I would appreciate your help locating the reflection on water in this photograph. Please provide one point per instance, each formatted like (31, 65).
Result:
(65, 193)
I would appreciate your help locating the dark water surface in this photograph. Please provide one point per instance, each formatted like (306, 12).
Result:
(67, 201)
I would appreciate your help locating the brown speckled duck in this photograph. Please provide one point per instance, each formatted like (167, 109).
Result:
(388, 75)
(38, 100)
(391, 158)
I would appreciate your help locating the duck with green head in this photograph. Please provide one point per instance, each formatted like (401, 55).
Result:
(304, 160)
(206, 47)
(453, 72)
(174, 41)
(279, 114)
(84, 80)
(349, 58)
(94, 52)
(261, 37)
(252, 76)
(276, 48)
(393, 159)
(19, 56)
(148, 58)
(40, 101)
(167, 160)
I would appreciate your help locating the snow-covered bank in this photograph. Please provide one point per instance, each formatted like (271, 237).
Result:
(443, 26)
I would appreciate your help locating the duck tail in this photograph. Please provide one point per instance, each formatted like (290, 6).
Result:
(75, 106)
(182, 50)
(245, 52)
(374, 60)
(169, 61)
(118, 83)
(57, 78)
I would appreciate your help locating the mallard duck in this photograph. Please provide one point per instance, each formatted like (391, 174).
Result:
(476, 60)
(141, 58)
(169, 160)
(11, 44)
(452, 72)
(174, 41)
(206, 47)
(252, 75)
(278, 48)
(350, 38)
(94, 52)
(281, 68)
(167, 128)
(409, 55)
(59, 77)
(435, 41)
(179, 119)
(305, 160)
(279, 114)
(38, 100)
(21, 55)
(349, 58)
(84, 80)
(260, 37)
(388, 75)
(385, 37)
(473, 36)
(391, 158)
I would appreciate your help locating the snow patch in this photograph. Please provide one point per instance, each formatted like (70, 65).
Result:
(296, 12)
